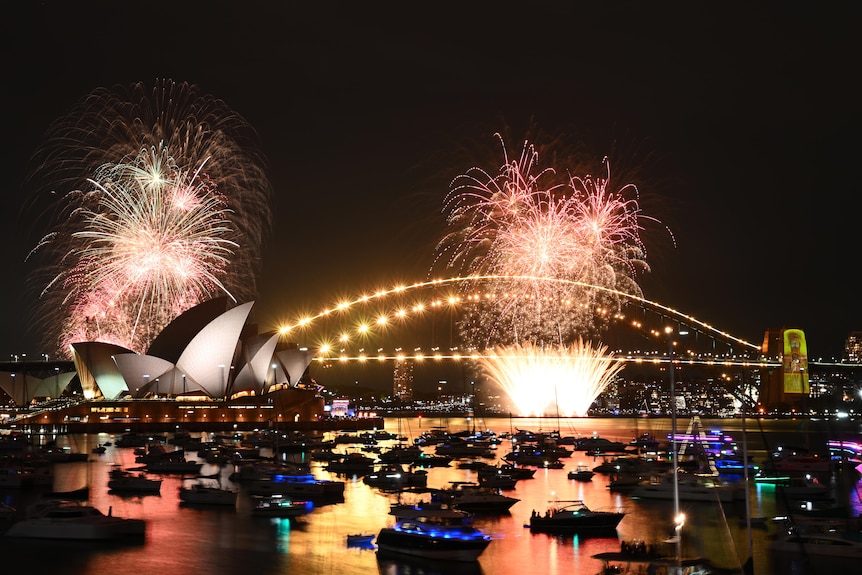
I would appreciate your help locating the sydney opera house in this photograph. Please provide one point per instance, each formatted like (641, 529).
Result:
(209, 366)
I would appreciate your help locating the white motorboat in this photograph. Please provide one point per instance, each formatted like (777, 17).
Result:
(59, 519)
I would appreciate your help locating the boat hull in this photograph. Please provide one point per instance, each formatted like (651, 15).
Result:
(38, 529)
(599, 525)
(428, 547)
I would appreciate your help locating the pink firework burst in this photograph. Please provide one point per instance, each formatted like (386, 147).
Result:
(530, 225)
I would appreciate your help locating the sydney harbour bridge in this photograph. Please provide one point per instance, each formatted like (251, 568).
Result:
(418, 323)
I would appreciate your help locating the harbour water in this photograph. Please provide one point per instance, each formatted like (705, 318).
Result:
(183, 539)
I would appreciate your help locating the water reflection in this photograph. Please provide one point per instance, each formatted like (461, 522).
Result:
(220, 541)
(388, 564)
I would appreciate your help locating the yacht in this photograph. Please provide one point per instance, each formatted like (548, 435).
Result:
(807, 488)
(638, 557)
(122, 481)
(393, 476)
(691, 487)
(575, 517)
(474, 498)
(581, 473)
(200, 494)
(351, 464)
(58, 519)
(299, 485)
(830, 540)
(179, 466)
(432, 533)
(279, 506)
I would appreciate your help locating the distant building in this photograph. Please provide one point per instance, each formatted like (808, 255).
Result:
(853, 347)
(402, 389)
(340, 408)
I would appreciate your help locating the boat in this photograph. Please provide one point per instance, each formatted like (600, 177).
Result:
(60, 455)
(297, 483)
(514, 471)
(498, 481)
(401, 454)
(581, 473)
(80, 494)
(279, 506)
(804, 487)
(72, 520)
(351, 464)
(473, 498)
(460, 448)
(637, 557)
(833, 541)
(361, 540)
(170, 466)
(7, 512)
(733, 465)
(596, 444)
(690, 487)
(200, 494)
(798, 462)
(122, 481)
(626, 482)
(574, 517)
(819, 508)
(394, 477)
(433, 533)
(16, 477)
(533, 458)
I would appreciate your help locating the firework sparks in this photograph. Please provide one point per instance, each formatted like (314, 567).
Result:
(526, 221)
(160, 203)
(531, 225)
(562, 379)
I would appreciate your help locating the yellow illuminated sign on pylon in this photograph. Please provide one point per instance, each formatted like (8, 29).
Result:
(795, 362)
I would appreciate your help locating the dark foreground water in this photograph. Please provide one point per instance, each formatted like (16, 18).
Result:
(216, 541)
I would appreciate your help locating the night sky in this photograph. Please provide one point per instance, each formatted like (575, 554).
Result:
(738, 122)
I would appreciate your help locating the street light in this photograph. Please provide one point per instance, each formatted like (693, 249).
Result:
(678, 518)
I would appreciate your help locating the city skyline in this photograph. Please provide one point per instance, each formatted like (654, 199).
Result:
(366, 116)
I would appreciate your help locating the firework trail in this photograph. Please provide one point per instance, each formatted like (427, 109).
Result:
(526, 220)
(156, 201)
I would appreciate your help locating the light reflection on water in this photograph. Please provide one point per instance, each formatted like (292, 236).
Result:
(185, 539)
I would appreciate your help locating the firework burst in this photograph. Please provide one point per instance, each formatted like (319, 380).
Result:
(543, 380)
(156, 201)
(529, 222)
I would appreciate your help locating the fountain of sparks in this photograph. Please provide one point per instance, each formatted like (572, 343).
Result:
(542, 381)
